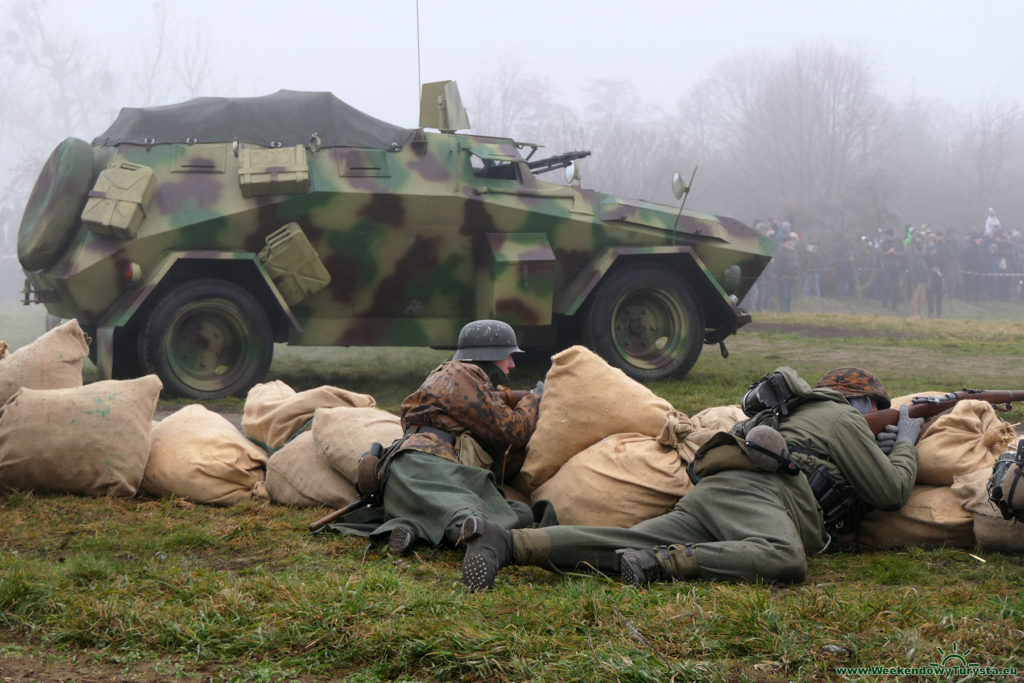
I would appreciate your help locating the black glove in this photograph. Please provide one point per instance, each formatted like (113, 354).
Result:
(539, 389)
(886, 438)
(908, 428)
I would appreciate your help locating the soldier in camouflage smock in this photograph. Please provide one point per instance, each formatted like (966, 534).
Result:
(459, 427)
(767, 493)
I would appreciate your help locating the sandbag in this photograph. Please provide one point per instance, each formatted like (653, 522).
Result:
(991, 531)
(586, 400)
(933, 516)
(622, 479)
(706, 424)
(342, 435)
(53, 361)
(273, 411)
(199, 455)
(91, 440)
(298, 476)
(968, 438)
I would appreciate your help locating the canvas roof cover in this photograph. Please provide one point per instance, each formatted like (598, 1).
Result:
(285, 118)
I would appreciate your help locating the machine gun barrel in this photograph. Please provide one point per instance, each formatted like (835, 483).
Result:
(557, 161)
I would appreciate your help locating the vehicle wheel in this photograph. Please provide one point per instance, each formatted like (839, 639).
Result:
(56, 201)
(207, 339)
(643, 320)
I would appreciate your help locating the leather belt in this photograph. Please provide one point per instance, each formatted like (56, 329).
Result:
(439, 433)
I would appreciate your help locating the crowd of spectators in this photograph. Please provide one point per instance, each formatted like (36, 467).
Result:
(915, 266)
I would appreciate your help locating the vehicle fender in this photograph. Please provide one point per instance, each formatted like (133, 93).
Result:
(720, 314)
(171, 268)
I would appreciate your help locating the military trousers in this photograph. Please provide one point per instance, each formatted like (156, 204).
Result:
(434, 496)
(743, 525)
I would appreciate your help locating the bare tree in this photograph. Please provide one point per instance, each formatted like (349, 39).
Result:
(989, 152)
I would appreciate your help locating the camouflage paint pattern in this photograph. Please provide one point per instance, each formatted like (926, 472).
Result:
(417, 239)
(458, 397)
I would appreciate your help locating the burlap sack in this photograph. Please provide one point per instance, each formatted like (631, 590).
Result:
(933, 516)
(585, 400)
(273, 411)
(622, 479)
(91, 440)
(706, 424)
(968, 438)
(198, 454)
(991, 531)
(53, 361)
(342, 435)
(298, 476)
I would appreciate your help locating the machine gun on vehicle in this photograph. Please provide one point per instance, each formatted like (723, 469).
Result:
(927, 406)
(557, 161)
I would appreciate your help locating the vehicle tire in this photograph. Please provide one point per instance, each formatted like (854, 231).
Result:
(55, 204)
(207, 339)
(644, 320)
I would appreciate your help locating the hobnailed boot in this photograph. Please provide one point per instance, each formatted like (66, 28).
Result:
(638, 567)
(402, 539)
(489, 547)
(641, 567)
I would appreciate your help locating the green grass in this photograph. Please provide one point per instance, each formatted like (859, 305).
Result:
(167, 589)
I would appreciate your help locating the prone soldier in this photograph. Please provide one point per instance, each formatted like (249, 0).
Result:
(774, 488)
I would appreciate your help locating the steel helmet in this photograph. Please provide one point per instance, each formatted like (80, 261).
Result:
(486, 340)
(851, 382)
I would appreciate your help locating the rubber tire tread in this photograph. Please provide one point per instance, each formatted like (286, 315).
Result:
(597, 319)
(162, 316)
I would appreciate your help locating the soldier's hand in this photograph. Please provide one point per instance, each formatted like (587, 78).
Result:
(886, 438)
(539, 389)
(908, 428)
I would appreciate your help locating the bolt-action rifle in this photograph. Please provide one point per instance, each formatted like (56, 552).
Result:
(927, 406)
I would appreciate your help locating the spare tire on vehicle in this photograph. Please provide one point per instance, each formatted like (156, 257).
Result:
(55, 204)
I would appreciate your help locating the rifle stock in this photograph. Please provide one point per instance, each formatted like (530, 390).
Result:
(927, 406)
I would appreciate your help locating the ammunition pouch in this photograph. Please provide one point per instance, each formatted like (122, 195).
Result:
(836, 500)
(1005, 486)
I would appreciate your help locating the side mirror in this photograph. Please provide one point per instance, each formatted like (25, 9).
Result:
(572, 172)
(679, 187)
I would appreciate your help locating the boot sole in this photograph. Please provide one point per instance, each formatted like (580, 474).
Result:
(401, 541)
(477, 574)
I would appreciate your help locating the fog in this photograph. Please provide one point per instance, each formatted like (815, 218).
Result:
(842, 120)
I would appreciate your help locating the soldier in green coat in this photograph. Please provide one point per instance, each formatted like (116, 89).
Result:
(770, 491)
(459, 426)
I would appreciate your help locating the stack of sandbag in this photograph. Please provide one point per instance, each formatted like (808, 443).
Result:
(299, 477)
(991, 531)
(91, 440)
(586, 400)
(198, 454)
(622, 479)
(956, 443)
(274, 412)
(53, 361)
(626, 478)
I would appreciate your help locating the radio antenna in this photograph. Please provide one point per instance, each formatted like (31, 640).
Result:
(419, 75)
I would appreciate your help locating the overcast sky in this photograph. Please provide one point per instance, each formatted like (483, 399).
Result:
(366, 52)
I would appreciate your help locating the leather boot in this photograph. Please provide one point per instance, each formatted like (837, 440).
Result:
(489, 547)
(402, 539)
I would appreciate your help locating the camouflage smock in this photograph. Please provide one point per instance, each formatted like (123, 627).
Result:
(458, 397)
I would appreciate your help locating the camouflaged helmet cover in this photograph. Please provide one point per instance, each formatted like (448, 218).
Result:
(851, 382)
